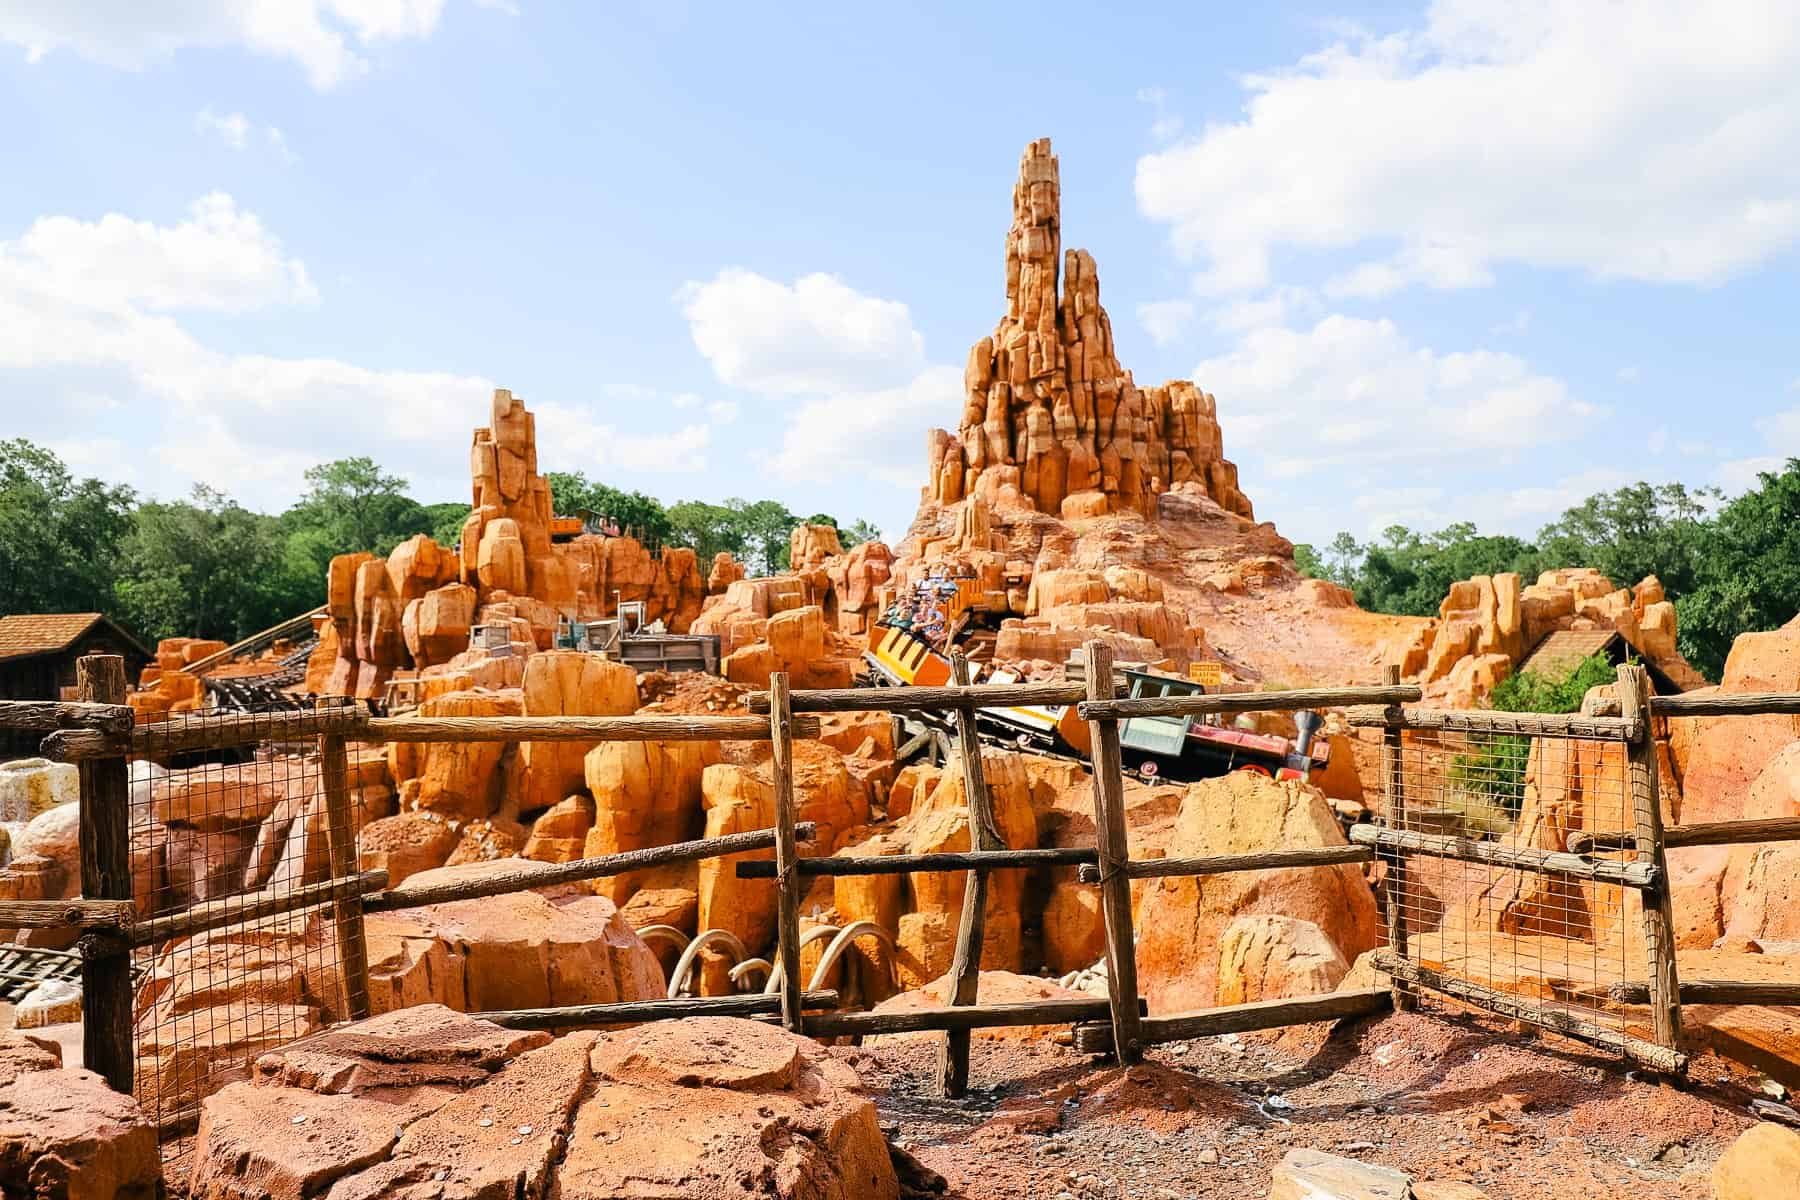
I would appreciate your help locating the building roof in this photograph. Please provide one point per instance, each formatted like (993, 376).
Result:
(28, 635)
(1557, 656)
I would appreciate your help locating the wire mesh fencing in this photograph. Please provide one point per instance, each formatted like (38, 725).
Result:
(1554, 938)
(213, 832)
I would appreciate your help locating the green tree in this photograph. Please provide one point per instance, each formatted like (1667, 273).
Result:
(446, 522)
(1636, 531)
(862, 530)
(767, 527)
(59, 537)
(1748, 573)
(354, 505)
(205, 568)
(711, 529)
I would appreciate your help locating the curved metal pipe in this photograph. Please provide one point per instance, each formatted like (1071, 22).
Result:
(685, 966)
(744, 968)
(843, 941)
(666, 933)
(812, 935)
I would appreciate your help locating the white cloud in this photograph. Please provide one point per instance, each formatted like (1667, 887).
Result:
(816, 335)
(723, 412)
(232, 128)
(87, 320)
(316, 34)
(1628, 374)
(1350, 389)
(1166, 320)
(220, 258)
(878, 434)
(1271, 308)
(1648, 139)
(1740, 474)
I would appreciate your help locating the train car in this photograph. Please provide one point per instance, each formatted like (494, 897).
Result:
(1187, 748)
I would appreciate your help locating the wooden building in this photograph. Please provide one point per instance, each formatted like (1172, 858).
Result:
(37, 660)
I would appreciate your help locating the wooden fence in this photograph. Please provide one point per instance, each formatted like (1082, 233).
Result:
(98, 734)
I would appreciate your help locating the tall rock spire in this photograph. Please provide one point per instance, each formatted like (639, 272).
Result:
(1049, 410)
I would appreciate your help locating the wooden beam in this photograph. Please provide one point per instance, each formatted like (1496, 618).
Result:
(650, 727)
(47, 716)
(522, 874)
(241, 910)
(911, 699)
(1115, 853)
(1716, 991)
(1393, 782)
(971, 926)
(1568, 1024)
(1706, 833)
(105, 822)
(1544, 862)
(340, 836)
(632, 1012)
(1221, 864)
(1659, 919)
(193, 732)
(1727, 704)
(1058, 1011)
(1245, 1018)
(1239, 702)
(788, 881)
(1565, 725)
(89, 916)
(906, 864)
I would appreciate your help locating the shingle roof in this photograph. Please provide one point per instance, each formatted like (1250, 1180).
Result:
(26, 634)
(1562, 651)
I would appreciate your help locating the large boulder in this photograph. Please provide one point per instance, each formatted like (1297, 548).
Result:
(645, 794)
(1763, 1163)
(459, 780)
(517, 950)
(1182, 922)
(429, 1104)
(65, 1135)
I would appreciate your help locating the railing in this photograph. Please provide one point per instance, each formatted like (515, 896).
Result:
(97, 733)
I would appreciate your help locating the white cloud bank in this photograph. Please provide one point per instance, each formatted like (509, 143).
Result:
(845, 373)
(1646, 139)
(322, 36)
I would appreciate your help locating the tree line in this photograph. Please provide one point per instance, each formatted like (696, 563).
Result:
(206, 566)
(1731, 566)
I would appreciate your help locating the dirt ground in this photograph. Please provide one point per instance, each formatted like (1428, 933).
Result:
(1441, 1096)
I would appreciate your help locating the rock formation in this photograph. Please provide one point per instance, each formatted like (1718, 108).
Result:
(65, 1134)
(427, 1102)
(1049, 411)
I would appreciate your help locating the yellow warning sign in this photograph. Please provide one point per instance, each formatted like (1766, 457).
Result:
(1209, 674)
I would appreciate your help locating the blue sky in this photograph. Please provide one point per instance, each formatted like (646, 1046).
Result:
(1472, 260)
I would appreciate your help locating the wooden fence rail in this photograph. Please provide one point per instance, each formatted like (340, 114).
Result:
(96, 734)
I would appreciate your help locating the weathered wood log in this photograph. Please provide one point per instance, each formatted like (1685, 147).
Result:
(1115, 853)
(910, 699)
(1058, 1011)
(1705, 833)
(241, 910)
(1239, 702)
(340, 836)
(523, 874)
(1727, 704)
(1523, 858)
(788, 882)
(1393, 783)
(1659, 918)
(190, 732)
(632, 1012)
(1244, 1018)
(650, 727)
(89, 916)
(1568, 1024)
(1221, 864)
(1565, 725)
(47, 716)
(105, 820)
(971, 926)
(1716, 991)
(906, 864)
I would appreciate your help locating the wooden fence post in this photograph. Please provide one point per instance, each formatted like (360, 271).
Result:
(340, 837)
(1393, 775)
(965, 969)
(106, 1033)
(788, 879)
(1114, 852)
(1659, 921)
